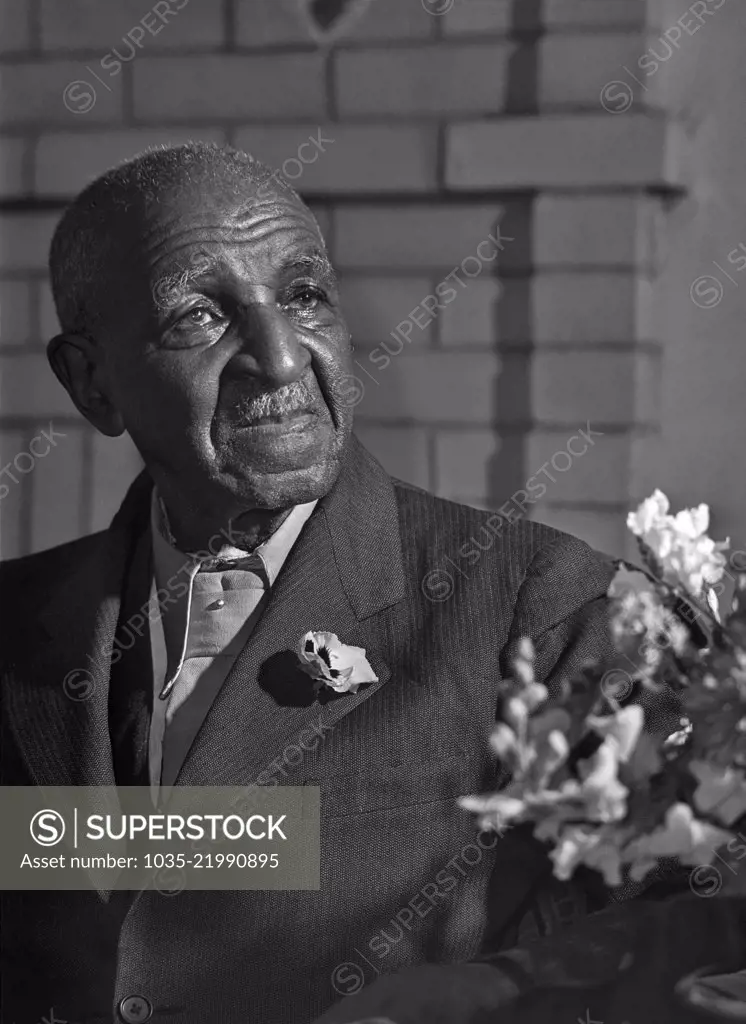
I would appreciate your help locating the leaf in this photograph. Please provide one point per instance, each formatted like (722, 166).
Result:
(645, 760)
(648, 804)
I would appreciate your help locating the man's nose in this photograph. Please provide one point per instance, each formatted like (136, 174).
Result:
(270, 349)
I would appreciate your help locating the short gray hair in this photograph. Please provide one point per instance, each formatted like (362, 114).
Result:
(86, 237)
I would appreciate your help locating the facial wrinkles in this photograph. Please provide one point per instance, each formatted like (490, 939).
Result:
(166, 238)
(203, 260)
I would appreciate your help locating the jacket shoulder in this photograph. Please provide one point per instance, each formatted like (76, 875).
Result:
(424, 513)
(470, 543)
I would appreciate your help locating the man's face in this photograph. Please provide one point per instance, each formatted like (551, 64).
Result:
(226, 353)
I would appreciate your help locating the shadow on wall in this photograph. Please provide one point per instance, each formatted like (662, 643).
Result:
(513, 322)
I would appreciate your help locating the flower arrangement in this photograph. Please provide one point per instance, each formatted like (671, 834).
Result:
(601, 788)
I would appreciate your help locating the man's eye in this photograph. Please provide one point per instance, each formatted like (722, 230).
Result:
(199, 316)
(306, 298)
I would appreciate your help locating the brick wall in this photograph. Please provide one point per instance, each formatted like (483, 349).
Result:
(479, 201)
(700, 291)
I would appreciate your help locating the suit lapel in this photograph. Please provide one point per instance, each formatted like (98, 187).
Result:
(345, 567)
(57, 690)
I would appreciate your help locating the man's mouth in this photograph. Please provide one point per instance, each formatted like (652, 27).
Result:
(291, 419)
(292, 407)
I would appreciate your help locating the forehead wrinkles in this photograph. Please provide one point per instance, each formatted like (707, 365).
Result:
(193, 252)
(245, 221)
(171, 243)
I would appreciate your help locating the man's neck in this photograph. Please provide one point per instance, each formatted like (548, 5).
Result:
(189, 532)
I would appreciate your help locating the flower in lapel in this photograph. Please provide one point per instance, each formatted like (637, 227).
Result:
(331, 663)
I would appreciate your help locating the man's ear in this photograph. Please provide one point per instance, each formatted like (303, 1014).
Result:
(76, 360)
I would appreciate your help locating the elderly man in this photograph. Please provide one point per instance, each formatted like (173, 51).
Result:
(200, 314)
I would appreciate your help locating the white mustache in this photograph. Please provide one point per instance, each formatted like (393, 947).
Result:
(295, 397)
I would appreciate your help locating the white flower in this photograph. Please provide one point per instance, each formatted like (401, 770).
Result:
(650, 515)
(692, 522)
(680, 543)
(696, 562)
(682, 835)
(604, 795)
(606, 857)
(496, 811)
(721, 791)
(569, 851)
(630, 581)
(503, 740)
(340, 666)
(527, 693)
(598, 849)
(621, 729)
(551, 752)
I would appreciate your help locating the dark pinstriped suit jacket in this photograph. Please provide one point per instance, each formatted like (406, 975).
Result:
(437, 599)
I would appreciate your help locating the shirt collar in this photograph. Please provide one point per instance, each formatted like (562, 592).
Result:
(269, 556)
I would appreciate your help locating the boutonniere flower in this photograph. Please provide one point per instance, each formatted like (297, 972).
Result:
(331, 663)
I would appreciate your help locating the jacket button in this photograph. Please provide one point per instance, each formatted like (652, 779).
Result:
(135, 1009)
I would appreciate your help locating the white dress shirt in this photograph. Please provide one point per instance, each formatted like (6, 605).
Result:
(206, 615)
